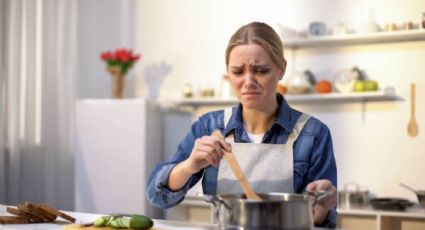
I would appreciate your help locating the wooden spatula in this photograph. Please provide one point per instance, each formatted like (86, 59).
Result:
(412, 127)
(237, 171)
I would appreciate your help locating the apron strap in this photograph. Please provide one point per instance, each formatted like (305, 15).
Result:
(227, 115)
(298, 127)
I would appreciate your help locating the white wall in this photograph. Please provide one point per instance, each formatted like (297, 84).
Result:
(370, 140)
(102, 25)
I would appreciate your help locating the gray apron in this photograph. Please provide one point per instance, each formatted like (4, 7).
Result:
(267, 167)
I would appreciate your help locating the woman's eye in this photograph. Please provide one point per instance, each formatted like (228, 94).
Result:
(237, 72)
(262, 71)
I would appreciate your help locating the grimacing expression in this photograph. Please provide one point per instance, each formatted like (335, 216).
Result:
(253, 76)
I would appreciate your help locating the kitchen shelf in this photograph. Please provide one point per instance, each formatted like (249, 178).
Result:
(388, 94)
(356, 39)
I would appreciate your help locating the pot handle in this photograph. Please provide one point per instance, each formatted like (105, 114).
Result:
(352, 184)
(215, 201)
(320, 195)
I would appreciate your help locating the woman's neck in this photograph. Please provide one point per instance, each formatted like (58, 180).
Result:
(257, 121)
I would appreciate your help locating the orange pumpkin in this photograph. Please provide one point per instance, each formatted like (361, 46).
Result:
(323, 86)
(281, 88)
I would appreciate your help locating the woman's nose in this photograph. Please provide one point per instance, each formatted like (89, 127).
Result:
(250, 79)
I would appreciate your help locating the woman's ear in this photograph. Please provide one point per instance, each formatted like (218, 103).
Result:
(282, 73)
(226, 77)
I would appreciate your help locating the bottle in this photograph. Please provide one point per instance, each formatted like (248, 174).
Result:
(187, 90)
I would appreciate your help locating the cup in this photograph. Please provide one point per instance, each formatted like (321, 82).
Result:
(317, 29)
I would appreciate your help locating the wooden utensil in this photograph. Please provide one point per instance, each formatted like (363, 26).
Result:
(412, 127)
(237, 171)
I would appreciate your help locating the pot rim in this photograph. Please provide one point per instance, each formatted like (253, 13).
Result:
(354, 192)
(287, 197)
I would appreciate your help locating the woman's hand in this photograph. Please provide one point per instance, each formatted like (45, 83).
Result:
(323, 206)
(208, 150)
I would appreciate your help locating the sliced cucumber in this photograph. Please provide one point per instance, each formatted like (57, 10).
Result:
(123, 222)
(112, 218)
(101, 221)
(114, 224)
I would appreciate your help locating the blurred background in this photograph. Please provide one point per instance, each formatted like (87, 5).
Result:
(57, 112)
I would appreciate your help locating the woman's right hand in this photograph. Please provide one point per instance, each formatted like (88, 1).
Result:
(208, 150)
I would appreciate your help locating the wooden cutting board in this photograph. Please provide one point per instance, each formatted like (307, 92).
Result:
(81, 227)
(158, 225)
(78, 227)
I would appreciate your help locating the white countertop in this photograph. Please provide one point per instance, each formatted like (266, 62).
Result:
(416, 211)
(88, 217)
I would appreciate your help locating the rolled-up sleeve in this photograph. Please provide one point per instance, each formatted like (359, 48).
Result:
(158, 193)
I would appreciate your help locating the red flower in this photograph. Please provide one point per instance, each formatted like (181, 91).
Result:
(135, 57)
(122, 57)
(106, 55)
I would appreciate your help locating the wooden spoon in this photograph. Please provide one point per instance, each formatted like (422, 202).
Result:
(237, 171)
(412, 127)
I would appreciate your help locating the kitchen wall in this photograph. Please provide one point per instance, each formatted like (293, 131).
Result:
(370, 139)
(103, 25)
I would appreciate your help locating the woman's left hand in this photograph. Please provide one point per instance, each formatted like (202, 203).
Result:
(322, 207)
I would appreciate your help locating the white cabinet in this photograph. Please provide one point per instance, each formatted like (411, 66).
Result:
(368, 219)
(118, 143)
(195, 209)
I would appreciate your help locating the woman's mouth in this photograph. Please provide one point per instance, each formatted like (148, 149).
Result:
(250, 93)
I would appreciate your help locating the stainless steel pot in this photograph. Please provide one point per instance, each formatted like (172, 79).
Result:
(353, 197)
(281, 211)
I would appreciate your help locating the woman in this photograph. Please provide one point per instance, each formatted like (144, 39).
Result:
(279, 149)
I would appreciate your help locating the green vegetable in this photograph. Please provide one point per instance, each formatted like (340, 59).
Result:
(102, 221)
(110, 220)
(124, 222)
(115, 223)
(136, 222)
(140, 222)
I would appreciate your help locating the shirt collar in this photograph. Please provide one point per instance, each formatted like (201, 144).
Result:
(285, 117)
(235, 121)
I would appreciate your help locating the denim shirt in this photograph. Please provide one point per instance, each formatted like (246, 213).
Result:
(313, 154)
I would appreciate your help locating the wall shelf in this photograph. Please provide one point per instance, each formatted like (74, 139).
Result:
(388, 94)
(356, 39)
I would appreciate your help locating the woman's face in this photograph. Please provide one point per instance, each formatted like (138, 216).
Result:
(253, 76)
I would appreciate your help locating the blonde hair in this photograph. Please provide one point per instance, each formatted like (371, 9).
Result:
(260, 34)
